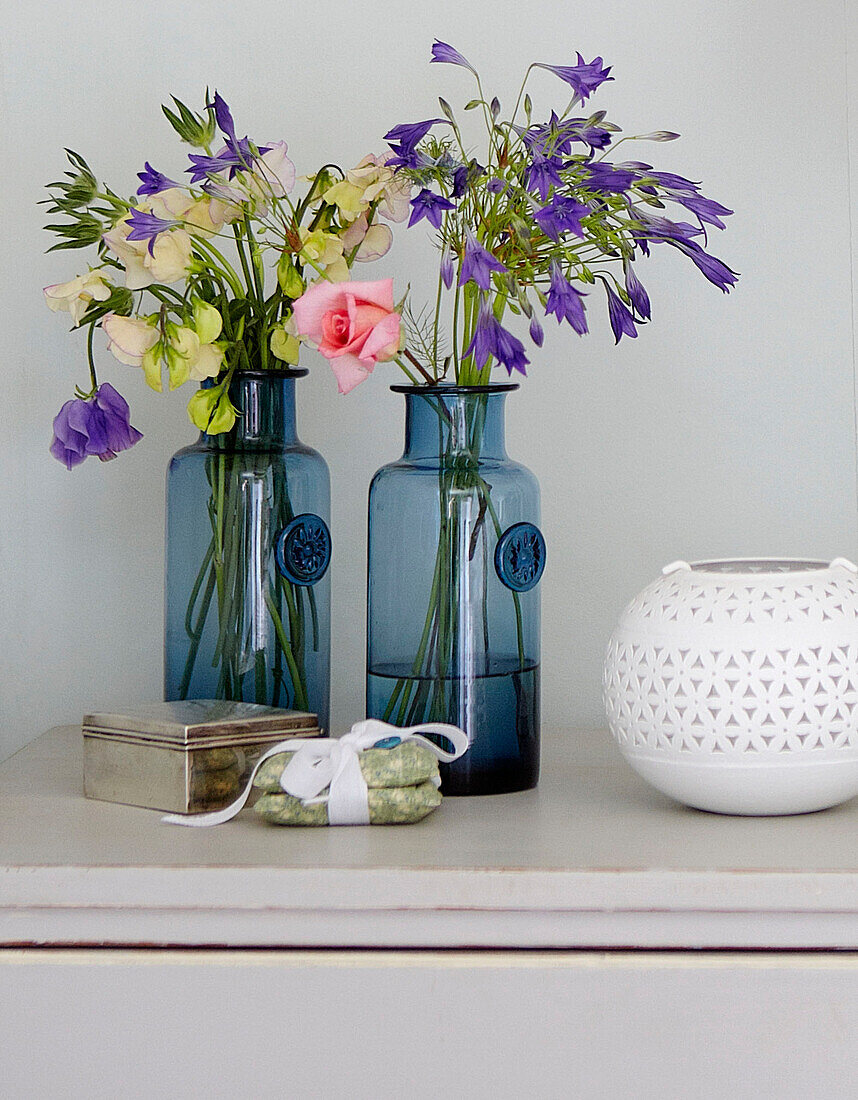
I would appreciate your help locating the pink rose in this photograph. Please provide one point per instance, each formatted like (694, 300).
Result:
(354, 325)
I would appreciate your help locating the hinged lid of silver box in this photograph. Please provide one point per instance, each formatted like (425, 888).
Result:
(194, 722)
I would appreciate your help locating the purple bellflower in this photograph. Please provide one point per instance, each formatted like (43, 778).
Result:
(407, 135)
(562, 216)
(93, 426)
(536, 333)
(449, 56)
(478, 264)
(714, 269)
(146, 227)
(622, 321)
(564, 301)
(542, 175)
(223, 115)
(492, 339)
(707, 210)
(637, 293)
(464, 175)
(556, 137)
(236, 157)
(602, 176)
(153, 181)
(428, 205)
(448, 270)
(404, 139)
(656, 229)
(584, 78)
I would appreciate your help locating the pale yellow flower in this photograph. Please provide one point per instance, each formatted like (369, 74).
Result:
(74, 297)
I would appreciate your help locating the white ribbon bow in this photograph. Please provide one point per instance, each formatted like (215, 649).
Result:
(321, 762)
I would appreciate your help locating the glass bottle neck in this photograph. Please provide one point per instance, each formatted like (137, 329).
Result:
(265, 406)
(452, 422)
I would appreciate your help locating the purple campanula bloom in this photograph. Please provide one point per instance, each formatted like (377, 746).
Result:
(495, 185)
(584, 78)
(602, 176)
(622, 321)
(202, 166)
(655, 229)
(449, 56)
(460, 181)
(672, 182)
(714, 269)
(428, 205)
(95, 426)
(707, 210)
(564, 301)
(637, 293)
(146, 227)
(555, 137)
(448, 270)
(223, 116)
(562, 216)
(536, 333)
(407, 135)
(542, 175)
(236, 157)
(153, 181)
(464, 175)
(492, 339)
(478, 264)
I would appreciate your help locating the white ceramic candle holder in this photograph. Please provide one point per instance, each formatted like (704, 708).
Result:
(732, 685)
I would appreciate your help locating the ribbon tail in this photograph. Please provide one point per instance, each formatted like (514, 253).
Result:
(218, 817)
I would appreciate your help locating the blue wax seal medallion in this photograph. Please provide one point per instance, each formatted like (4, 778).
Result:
(520, 556)
(388, 743)
(302, 549)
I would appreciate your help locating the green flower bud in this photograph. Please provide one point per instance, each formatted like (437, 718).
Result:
(152, 366)
(284, 346)
(211, 410)
(207, 322)
(290, 281)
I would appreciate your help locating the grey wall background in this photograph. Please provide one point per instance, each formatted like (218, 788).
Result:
(727, 428)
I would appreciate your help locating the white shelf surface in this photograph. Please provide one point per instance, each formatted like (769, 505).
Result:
(592, 859)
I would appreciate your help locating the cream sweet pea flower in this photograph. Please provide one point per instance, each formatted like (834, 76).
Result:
(167, 262)
(204, 216)
(75, 296)
(208, 362)
(373, 242)
(348, 197)
(277, 170)
(381, 185)
(129, 338)
(324, 250)
(170, 257)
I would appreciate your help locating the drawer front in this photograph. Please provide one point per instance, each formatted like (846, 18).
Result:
(150, 1023)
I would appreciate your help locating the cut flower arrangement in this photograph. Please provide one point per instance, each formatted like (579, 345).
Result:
(232, 307)
(195, 282)
(540, 220)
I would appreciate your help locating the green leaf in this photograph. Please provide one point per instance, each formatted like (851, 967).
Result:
(472, 103)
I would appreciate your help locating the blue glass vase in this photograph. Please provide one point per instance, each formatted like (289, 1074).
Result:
(455, 559)
(248, 546)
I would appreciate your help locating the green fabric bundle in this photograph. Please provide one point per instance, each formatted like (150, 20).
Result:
(399, 781)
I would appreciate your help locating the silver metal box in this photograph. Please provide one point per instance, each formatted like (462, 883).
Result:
(184, 757)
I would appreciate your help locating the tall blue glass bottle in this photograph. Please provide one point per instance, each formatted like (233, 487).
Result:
(455, 558)
(248, 546)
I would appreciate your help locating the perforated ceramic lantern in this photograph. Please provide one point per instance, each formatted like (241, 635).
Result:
(733, 685)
